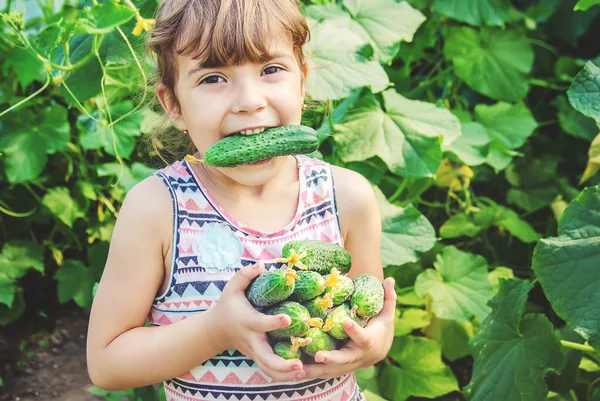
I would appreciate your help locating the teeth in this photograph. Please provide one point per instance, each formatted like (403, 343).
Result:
(252, 131)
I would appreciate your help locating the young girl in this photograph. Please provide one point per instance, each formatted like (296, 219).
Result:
(189, 239)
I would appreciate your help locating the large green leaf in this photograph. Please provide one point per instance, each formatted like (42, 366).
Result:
(62, 205)
(509, 126)
(584, 93)
(7, 290)
(505, 219)
(472, 146)
(421, 372)
(25, 146)
(567, 266)
(18, 257)
(583, 5)
(534, 182)
(475, 12)
(459, 285)
(384, 23)
(118, 139)
(573, 122)
(26, 66)
(75, 282)
(408, 135)
(128, 176)
(493, 62)
(453, 336)
(410, 319)
(406, 232)
(9, 315)
(103, 18)
(513, 353)
(336, 67)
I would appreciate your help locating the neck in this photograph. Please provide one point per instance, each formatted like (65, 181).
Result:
(213, 178)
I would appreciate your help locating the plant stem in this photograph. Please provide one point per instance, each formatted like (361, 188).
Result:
(578, 347)
(4, 209)
(400, 189)
(28, 98)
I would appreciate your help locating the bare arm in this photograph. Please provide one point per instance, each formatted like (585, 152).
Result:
(360, 221)
(121, 352)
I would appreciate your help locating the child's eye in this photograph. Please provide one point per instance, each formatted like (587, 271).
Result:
(211, 79)
(271, 70)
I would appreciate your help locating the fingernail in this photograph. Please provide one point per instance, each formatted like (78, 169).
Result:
(296, 367)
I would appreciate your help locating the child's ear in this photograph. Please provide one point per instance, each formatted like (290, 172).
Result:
(169, 103)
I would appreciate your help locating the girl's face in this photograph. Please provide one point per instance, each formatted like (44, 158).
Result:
(216, 102)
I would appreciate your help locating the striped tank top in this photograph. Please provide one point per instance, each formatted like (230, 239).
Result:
(209, 247)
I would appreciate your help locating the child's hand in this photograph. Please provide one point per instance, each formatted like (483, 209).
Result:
(244, 328)
(365, 347)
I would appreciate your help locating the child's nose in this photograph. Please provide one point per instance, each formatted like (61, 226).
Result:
(249, 98)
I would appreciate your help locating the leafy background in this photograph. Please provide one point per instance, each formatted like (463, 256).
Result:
(476, 121)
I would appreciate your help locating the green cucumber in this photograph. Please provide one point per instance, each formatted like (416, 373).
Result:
(271, 287)
(290, 349)
(240, 149)
(315, 255)
(301, 320)
(334, 323)
(343, 289)
(320, 341)
(367, 299)
(317, 307)
(308, 286)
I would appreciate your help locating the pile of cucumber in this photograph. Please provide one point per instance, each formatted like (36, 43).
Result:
(318, 296)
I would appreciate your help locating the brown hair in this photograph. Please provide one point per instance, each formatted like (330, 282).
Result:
(219, 33)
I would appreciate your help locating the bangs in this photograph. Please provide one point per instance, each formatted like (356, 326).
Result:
(231, 32)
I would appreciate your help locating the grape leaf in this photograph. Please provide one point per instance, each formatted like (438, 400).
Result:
(513, 353)
(420, 373)
(567, 266)
(493, 62)
(475, 12)
(459, 285)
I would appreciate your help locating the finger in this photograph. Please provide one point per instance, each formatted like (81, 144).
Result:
(319, 371)
(359, 335)
(275, 366)
(263, 323)
(338, 357)
(242, 279)
(389, 301)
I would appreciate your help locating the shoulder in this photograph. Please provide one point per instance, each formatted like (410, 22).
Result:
(352, 189)
(355, 199)
(148, 207)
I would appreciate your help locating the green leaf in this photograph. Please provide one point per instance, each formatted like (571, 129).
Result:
(459, 285)
(59, 202)
(513, 353)
(471, 147)
(128, 177)
(25, 146)
(406, 232)
(421, 372)
(459, 225)
(26, 66)
(335, 65)
(534, 182)
(498, 273)
(101, 136)
(509, 126)
(505, 218)
(408, 135)
(584, 5)
(567, 266)
(573, 122)
(384, 23)
(7, 290)
(453, 336)
(410, 319)
(9, 315)
(103, 18)
(18, 257)
(584, 93)
(475, 12)
(493, 62)
(75, 282)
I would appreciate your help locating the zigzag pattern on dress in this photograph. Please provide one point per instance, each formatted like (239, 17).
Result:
(194, 288)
